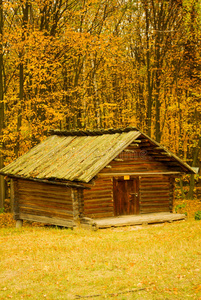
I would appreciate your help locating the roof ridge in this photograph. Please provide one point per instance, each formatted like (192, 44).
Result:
(91, 132)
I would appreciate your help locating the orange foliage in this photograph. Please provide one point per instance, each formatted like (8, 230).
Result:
(101, 64)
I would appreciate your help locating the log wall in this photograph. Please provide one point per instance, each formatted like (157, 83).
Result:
(134, 161)
(156, 194)
(45, 203)
(98, 201)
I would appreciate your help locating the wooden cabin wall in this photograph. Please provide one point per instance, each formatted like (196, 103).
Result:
(156, 194)
(135, 161)
(45, 203)
(98, 201)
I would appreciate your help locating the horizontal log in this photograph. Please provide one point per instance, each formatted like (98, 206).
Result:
(152, 194)
(154, 181)
(47, 182)
(27, 197)
(159, 211)
(46, 205)
(138, 161)
(26, 183)
(100, 215)
(129, 151)
(159, 177)
(99, 199)
(102, 206)
(96, 196)
(98, 210)
(137, 141)
(148, 199)
(100, 180)
(143, 144)
(118, 159)
(137, 165)
(127, 171)
(160, 192)
(46, 214)
(102, 200)
(154, 210)
(162, 158)
(44, 196)
(47, 220)
(46, 209)
(99, 191)
(45, 191)
(49, 202)
(99, 187)
(153, 197)
(159, 200)
(161, 204)
(98, 183)
(138, 219)
(139, 173)
(155, 188)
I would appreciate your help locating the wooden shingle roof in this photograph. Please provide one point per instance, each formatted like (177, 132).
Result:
(70, 157)
(75, 155)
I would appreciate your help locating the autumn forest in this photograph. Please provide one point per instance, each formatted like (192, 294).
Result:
(71, 64)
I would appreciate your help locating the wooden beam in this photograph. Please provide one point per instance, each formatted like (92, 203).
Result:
(67, 184)
(16, 200)
(148, 218)
(139, 174)
(48, 220)
(145, 144)
(129, 151)
(12, 195)
(19, 223)
(118, 159)
(137, 141)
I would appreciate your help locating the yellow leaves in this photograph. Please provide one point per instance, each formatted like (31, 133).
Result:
(197, 288)
(92, 72)
(6, 220)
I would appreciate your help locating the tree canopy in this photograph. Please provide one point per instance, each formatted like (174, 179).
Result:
(100, 64)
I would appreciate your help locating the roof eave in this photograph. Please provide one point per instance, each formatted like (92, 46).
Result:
(182, 163)
(52, 182)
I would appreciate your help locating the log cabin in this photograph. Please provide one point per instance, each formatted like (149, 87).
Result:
(95, 179)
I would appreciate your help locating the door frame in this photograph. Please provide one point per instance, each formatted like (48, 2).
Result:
(136, 209)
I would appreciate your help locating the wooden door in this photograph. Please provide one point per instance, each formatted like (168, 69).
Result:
(126, 197)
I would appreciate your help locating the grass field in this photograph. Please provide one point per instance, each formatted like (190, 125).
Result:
(144, 262)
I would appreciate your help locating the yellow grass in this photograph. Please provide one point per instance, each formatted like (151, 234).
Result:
(144, 262)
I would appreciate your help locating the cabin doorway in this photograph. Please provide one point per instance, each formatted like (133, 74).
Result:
(126, 197)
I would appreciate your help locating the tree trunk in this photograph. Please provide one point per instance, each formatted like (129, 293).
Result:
(21, 77)
(149, 102)
(192, 179)
(2, 182)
